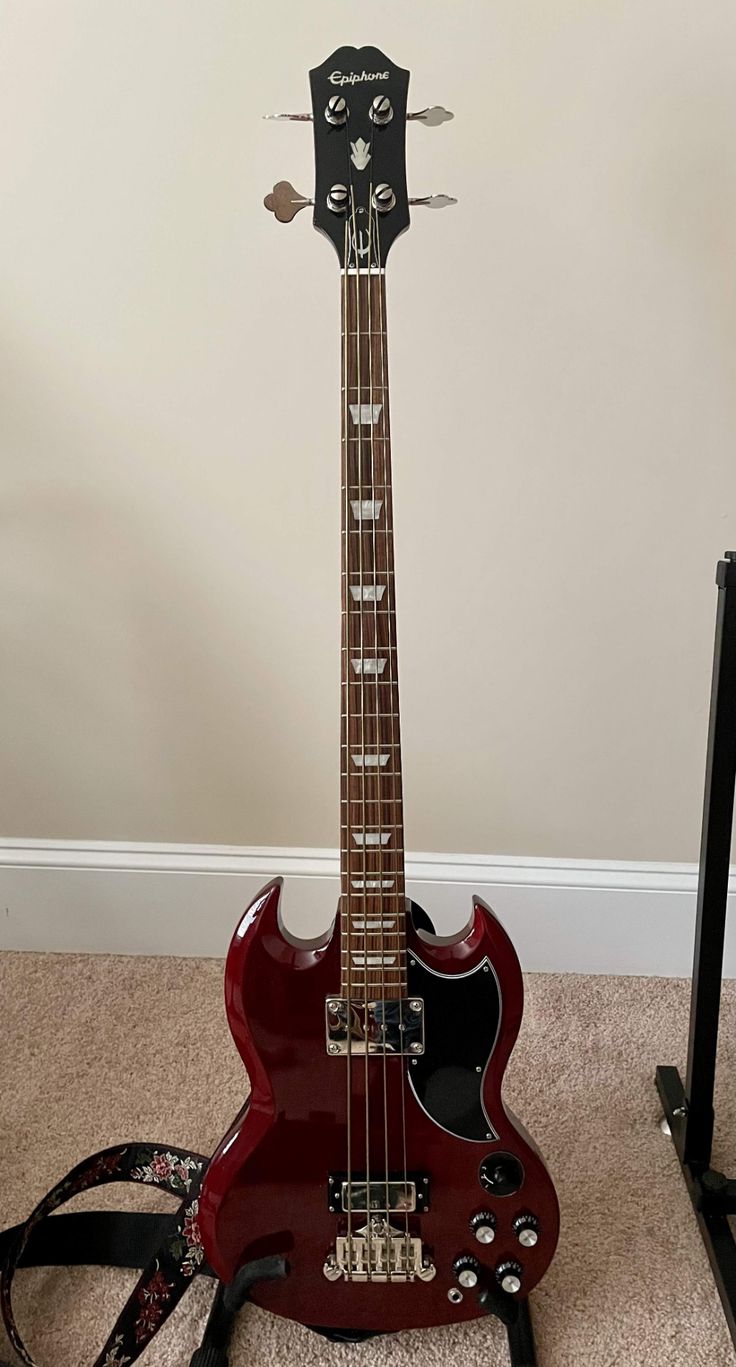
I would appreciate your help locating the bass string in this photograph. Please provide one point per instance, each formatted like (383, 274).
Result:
(345, 782)
(397, 803)
(377, 721)
(362, 676)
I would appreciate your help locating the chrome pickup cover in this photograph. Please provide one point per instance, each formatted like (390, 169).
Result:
(390, 1026)
(379, 1253)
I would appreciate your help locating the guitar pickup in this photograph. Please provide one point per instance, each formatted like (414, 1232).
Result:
(397, 1194)
(391, 1026)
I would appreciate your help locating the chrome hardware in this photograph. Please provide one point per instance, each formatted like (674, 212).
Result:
(390, 1026)
(509, 1276)
(483, 1225)
(526, 1229)
(336, 112)
(431, 117)
(454, 1295)
(337, 199)
(466, 1269)
(377, 1252)
(384, 198)
(359, 1197)
(285, 202)
(381, 111)
(433, 201)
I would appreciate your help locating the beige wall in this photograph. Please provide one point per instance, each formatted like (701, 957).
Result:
(563, 349)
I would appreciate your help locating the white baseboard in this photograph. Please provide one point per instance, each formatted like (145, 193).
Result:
(576, 916)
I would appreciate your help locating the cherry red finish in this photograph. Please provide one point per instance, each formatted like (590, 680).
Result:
(266, 1189)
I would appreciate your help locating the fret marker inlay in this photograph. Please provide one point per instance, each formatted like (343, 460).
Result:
(365, 414)
(369, 593)
(367, 509)
(371, 837)
(370, 761)
(371, 884)
(370, 666)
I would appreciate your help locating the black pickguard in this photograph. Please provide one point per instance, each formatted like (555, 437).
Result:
(462, 1013)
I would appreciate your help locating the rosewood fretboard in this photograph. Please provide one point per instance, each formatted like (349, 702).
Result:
(373, 916)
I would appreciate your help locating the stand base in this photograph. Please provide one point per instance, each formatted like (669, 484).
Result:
(713, 1197)
(129, 1239)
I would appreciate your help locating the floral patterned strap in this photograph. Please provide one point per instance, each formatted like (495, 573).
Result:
(169, 1273)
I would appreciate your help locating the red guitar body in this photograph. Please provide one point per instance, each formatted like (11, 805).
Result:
(267, 1190)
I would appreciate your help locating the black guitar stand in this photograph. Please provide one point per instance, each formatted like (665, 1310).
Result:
(688, 1109)
(129, 1239)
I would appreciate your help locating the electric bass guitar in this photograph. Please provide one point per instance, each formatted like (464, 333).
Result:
(374, 1152)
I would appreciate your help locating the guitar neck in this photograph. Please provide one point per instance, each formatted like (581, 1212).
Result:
(372, 906)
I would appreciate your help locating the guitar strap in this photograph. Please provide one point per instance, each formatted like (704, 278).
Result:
(169, 1272)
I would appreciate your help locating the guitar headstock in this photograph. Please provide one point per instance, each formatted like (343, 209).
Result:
(359, 113)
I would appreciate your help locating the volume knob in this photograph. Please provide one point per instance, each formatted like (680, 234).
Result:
(466, 1269)
(526, 1229)
(483, 1225)
(508, 1275)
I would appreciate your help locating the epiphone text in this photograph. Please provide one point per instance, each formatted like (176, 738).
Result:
(352, 77)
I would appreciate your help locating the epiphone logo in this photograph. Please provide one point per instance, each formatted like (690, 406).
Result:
(338, 78)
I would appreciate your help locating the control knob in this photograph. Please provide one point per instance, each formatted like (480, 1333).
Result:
(526, 1229)
(508, 1275)
(483, 1225)
(467, 1270)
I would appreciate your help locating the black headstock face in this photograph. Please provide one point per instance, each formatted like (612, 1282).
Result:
(359, 109)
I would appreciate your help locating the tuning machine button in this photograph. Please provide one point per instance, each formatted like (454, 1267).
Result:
(508, 1276)
(483, 1225)
(336, 112)
(384, 199)
(337, 199)
(526, 1229)
(431, 117)
(381, 111)
(467, 1270)
(285, 202)
(293, 118)
(433, 201)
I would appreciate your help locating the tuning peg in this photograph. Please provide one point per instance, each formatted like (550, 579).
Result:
(295, 118)
(285, 202)
(433, 116)
(434, 201)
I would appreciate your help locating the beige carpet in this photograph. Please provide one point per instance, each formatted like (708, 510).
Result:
(103, 1050)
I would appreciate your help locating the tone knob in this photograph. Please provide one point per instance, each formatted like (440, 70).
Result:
(483, 1225)
(337, 199)
(466, 1269)
(508, 1275)
(526, 1229)
(381, 110)
(384, 199)
(501, 1174)
(336, 112)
